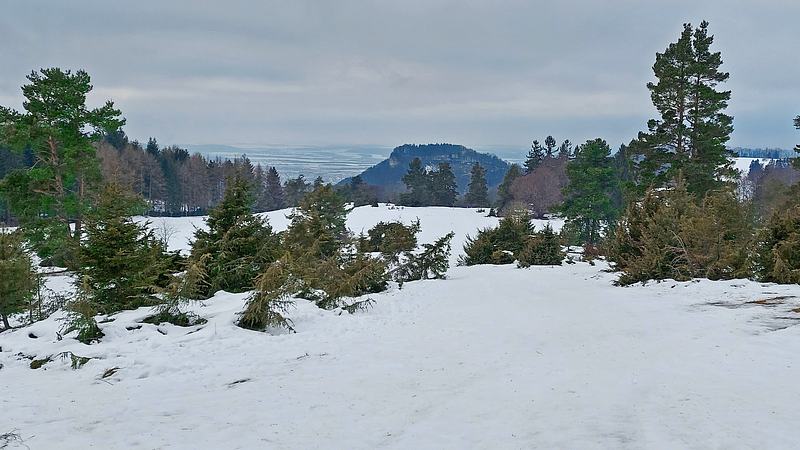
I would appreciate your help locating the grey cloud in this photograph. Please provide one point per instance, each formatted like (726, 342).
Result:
(381, 72)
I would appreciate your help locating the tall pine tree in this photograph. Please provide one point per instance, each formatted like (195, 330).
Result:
(504, 196)
(477, 194)
(589, 205)
(550, 145)
(59, 129)
(416, 181)
(534, 158)
(689, 136)
(237, 246)
(273, 191)
(443, 185)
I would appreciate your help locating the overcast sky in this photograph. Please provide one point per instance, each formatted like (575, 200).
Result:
(483, 73)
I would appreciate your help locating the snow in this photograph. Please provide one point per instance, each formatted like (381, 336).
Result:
(435, 223)
(494, 357)
(743, 164)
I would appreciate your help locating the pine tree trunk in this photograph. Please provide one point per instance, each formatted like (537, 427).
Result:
(6, 325)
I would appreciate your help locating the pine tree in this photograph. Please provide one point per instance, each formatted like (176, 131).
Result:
(417, 184)
(318, 183)
(565, 149)
(777, 251)
(444, 189)
(535, 157)
(690, 135)
(259, 182)
(499, 245)
(59, 130)
(541, 249)
(477, 193)
(19, 279)
(550, 144)
(121, 259)
(589, 198)
(152, 147)
(238, 245)
(431, 263)
(504, 196)
(295, 189)
(360, 192)
(273, 191)
(318, 224)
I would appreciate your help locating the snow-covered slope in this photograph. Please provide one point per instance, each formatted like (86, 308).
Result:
(435, 222)
(493, 357)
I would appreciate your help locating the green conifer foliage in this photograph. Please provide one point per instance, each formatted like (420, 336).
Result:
(318, 223)
(534, 158)
(431, 263)
(689, 136)
(499, 245)
(391, 238)
(443, 186)
(776, 256)
(18, 278)
(121, 260)
(668, 234)
(589, 205)
(58, 129)
(477, 192)
(417, 184)
(237, 246)
(541, 249)
(504, 196)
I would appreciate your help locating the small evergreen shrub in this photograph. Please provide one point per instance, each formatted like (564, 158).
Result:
(542, 249)
(391, 238)
(182, 289)
(18, 278)
(670, 234)
(121, 260)
(493, 245)
(431, 263)
(81, 312)
(776, 255)
(237, 246)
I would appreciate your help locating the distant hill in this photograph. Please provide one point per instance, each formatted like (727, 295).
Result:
(389, 172)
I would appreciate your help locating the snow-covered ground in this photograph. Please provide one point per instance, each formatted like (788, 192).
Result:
(494, 357)
(743, 164)
(435, 222)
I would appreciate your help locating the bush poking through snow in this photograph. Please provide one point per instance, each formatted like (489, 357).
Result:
(776, 257)
(266, 307)
(81, 312)
(493, 245)
(182, 289)
(431, 263)
(670, 234)
(542, 249)
(391, 238)
(514, 239)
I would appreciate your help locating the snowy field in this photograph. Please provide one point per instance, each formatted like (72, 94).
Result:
(494, 357)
